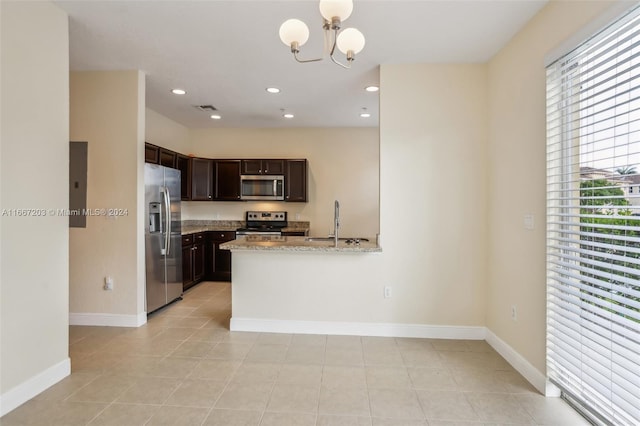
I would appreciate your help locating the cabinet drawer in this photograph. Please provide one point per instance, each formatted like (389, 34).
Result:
(198, 238)
(187, 240)
(222, 236)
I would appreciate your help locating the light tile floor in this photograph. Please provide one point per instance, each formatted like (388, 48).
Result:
(184, 367)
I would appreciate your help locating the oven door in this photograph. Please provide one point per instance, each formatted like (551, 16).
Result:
(261, 187)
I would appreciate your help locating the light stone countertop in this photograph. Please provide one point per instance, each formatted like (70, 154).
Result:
(195, 226)
(297, 244)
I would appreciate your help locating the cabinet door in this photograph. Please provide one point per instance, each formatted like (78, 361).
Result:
(219, 268)
(226, 179)
(201, 177)
(187, 266)
(198, 261)
(296, 181)
(183, 163)
(151, 154)
(251, 167)
(222, 263)
(272, 167)
(167, 158)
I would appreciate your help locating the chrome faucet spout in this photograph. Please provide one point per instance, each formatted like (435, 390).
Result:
(336, 221)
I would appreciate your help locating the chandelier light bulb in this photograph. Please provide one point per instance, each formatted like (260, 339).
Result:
(350, 39)
(330, 9)
(294, 31)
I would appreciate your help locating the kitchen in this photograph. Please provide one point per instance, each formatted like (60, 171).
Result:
(419, 104)
(359, 197)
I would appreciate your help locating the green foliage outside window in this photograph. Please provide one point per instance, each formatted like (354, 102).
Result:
(602, 215)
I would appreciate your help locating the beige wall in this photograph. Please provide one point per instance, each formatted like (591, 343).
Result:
(433, 191)
(34, 175)
(164, 132)
(107, 111)
(433, 225)
(517, 176)
(343, 165)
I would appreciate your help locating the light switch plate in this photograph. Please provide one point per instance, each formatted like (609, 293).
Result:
(528, 221)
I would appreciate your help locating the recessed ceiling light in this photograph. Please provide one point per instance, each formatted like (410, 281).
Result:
(179, 92)
(272, 90)
(287, 115)
(365, 115)
(216, 117)
(372, 88)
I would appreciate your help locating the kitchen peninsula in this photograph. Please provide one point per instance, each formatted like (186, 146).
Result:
(298, 285)
(301, 244)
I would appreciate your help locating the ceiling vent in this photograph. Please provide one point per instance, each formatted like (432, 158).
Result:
(206, 108)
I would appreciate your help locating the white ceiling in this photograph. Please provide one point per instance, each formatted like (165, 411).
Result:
(225, 53)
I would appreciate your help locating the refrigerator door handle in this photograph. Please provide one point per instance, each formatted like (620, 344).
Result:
(167, 238)
(163, 221)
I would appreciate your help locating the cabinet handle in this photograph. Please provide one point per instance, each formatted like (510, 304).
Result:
(209, 196)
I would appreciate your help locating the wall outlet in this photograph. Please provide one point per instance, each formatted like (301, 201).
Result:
(514, 313)
(297, 216)
(387, 292)
(108, 283)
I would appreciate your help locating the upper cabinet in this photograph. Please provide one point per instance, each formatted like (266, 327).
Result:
(226, 180)
(183, 163)
(295, 180)
(263, 167)
(201, 179)
(151, 153)
(168, 158)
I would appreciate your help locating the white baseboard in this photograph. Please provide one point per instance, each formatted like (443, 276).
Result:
(522, 366)
(20, 394)
(357, 328)
(109, 320)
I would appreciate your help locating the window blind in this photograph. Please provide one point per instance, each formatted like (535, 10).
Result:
(593, 223)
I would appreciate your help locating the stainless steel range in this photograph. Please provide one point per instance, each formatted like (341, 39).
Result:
(263, 223)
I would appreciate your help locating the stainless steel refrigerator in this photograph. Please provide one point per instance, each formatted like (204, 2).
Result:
(163, 241)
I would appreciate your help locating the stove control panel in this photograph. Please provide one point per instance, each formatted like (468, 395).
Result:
(257, 216)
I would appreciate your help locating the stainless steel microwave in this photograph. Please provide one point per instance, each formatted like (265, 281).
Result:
(262, 187)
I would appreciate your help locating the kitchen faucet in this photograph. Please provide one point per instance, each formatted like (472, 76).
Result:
(336, 222)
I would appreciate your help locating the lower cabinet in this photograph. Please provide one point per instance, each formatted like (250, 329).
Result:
(218, 260)
(202, 257)
(193, 259)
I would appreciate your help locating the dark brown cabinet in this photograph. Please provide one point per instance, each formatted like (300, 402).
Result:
(151, 153)
(262, 167)
(218, 260)
(295, 179)
(193, 259)
(198, 257)
(183, 163)
(187, 261)
(201, 179)
(226, 180)
(168, 158)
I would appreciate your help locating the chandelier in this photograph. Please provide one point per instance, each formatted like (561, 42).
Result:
(295, 33)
